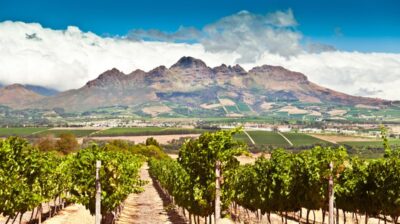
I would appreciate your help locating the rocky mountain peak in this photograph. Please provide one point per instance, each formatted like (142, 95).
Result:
(229, 69)
(189, 62)
(107, 78)
(278, 73)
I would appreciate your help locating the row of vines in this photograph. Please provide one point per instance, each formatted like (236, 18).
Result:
(284, 183)
(29, 177)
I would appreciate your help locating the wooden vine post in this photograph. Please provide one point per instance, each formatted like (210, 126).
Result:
(217, 191)
(331, 194)
(98, 193)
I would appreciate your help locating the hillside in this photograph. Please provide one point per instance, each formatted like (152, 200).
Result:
(18, 96)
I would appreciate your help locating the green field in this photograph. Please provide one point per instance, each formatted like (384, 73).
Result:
(267, 138)
(392, 142)
(300, 139)
(57, 132)
(140, 131)
(5, 132)
(232, 109)
(242, 137)
(243, 107)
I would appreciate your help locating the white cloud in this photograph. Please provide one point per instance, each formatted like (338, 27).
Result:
(349, 72)
(246, 33)
(251, 35)
(68, 58)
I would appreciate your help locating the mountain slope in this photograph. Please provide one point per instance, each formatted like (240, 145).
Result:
(191, 88)
(18, 96)
(42, 90)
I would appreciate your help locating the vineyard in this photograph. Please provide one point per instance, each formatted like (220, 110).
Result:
(284, 184)
(206, 182)
(29, 178)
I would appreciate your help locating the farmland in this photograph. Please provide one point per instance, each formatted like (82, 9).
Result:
(299, 139)
(58, 132)
(261, 138)
(362, 144)
(141, 131)
(5, 132)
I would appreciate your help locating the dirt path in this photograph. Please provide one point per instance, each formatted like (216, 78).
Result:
(149, 206)
(74, 213)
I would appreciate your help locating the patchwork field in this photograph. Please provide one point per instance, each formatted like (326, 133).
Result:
(164, 135)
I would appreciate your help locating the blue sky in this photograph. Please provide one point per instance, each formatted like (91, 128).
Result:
(351, 46)
(361, 25)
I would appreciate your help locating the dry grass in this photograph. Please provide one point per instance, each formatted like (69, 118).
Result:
(343, 138)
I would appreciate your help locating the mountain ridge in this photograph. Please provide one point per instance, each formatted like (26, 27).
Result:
(190, 83)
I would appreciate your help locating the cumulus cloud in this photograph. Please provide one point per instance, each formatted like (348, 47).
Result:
(183, 34)
(347, 71)
(68, 58)
(245, 33)
(65, 59)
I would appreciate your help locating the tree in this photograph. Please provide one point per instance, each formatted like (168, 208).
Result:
(67, 143)
(46, 143)
(152, 141)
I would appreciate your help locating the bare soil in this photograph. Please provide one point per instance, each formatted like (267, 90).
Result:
(342, 138)
(163, 139)
(149, 207)
(73, 214)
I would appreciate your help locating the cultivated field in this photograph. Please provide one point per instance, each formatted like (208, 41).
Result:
(392, 142)
(343, 138)
(5, 132)
(142, 131)
(267, 138)
(57, 132)
(300, 139)
(162, 139)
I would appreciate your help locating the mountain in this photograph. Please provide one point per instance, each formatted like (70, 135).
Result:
(18, 96)
(191, 88)
(42, 90)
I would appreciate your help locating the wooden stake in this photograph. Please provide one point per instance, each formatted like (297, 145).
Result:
(217, 192)
(331, 195)
(98, 193)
